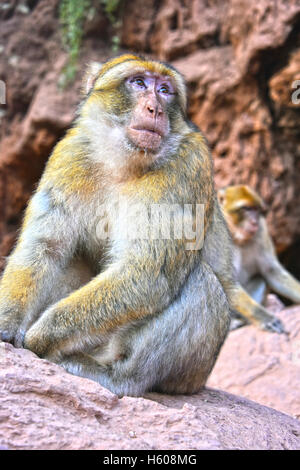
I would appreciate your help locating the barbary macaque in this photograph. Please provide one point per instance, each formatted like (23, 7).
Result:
(133, 313)
(255, 260)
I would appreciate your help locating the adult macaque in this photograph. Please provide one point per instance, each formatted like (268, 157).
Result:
(132, 313)
(255, 260)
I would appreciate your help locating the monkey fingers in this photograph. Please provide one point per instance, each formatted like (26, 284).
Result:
(6, 335)
(9, 324)
(253, 312)
(19, 337)
(42, 337)
(274, 325)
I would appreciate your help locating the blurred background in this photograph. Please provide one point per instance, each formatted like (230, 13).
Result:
(240, 59)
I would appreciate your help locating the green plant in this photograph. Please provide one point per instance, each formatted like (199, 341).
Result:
(110, 8)
(72, 15)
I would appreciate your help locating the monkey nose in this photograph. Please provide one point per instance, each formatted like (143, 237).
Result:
(151, 109)
(154, 110)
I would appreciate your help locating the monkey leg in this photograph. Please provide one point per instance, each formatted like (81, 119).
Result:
(73, 277)
(257, 289)
(172, 352)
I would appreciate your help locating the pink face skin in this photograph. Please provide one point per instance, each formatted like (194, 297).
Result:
(251, 223)
(244, 224)
(149, 123)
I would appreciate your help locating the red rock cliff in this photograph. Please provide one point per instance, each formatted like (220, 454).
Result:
(240, 59)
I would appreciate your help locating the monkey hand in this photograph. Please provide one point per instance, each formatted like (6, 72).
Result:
(38, 338)
(46, 336)
(272, 324)
(10, 321)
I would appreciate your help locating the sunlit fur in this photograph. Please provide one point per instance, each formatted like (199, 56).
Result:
(239, 196)
(235, 200)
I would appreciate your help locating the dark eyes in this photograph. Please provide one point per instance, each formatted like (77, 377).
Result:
(138, 81)
(250, 209)
(164, 89)
(246, 211)
(242, 210)
(141, 83)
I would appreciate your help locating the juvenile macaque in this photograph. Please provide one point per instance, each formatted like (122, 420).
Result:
(255, 260)
(133, 313)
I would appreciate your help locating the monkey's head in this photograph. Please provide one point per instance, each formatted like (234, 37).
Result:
(242, 208)
(142, 102)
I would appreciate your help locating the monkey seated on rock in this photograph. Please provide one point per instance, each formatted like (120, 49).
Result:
(133, 313)
(256, 264)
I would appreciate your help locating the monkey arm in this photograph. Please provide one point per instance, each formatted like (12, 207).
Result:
(252, 311)
(277, 277)
(117, 297)
(40, 253)
(280, 280)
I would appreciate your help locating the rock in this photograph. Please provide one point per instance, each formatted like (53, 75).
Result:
(280, 83)
(263, 366)
(274, 304)
(44, 407)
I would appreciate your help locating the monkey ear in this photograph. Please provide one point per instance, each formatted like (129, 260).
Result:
(91, 76)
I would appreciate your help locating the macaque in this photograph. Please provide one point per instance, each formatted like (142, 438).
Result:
(134, 313)
(256, 264)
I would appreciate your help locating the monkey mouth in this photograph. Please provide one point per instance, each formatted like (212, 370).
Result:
(147, 130)
(147, 138)
(252, 229)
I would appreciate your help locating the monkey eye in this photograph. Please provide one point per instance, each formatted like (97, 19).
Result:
(164, 89)
(138, 81)
(244, 210)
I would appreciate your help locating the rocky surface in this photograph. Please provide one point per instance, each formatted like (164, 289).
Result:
(44, 407)
(240, 61)
(262, 366)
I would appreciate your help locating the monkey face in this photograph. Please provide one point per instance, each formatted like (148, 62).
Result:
(244, 223)
(133, 116)
(242, 208)
(149, 124)
(144, 99)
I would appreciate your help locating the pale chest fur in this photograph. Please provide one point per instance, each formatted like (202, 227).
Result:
(108, 223)
(245, 262)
